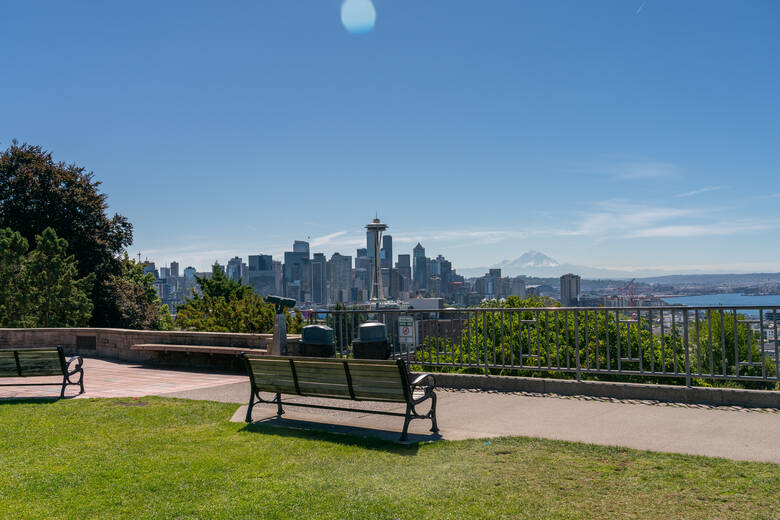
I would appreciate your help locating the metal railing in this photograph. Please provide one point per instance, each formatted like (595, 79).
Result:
(713, 343)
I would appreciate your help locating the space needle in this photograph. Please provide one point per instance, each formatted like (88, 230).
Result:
(374, 232)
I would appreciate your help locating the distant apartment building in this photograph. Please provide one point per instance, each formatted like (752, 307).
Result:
(570, 290)
(517, 287)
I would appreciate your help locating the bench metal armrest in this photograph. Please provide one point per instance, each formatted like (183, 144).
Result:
(428, 382)
(78, 360)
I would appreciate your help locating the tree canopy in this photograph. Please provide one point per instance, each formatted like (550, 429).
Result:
(137, 304)
(37, 193)
(41, 288)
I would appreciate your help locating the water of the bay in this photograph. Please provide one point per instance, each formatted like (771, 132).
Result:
(727, 300)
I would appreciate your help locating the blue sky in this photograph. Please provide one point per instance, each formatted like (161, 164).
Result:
(625, 134)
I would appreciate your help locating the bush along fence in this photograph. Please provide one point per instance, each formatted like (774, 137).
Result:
(702, 345)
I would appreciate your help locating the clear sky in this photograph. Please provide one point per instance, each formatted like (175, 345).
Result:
(623, 134)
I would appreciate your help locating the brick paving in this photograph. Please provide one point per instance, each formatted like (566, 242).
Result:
(120, 379)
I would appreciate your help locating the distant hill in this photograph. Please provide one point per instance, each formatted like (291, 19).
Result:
(538, 265)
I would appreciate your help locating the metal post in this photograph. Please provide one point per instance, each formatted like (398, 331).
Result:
(685, 344)
(485, 335)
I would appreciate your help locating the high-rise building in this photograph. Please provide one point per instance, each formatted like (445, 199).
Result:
(262, 276)
(165, 273)
(570, 290)
(420, 267)
(260, 263)
(234, 269)
(319, 279)
(386, 253)
(340, 275)
(189, 273)
(300, 246)
(174, 269)
(150, 268)
(293, 268)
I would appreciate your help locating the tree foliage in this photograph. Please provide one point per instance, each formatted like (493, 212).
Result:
(36, 192)
(41, 288)
(135, 299)
(225, 305)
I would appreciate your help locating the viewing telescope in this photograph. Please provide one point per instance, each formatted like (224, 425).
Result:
(280, 303)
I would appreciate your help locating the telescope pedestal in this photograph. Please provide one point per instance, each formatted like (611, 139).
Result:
(279, 343)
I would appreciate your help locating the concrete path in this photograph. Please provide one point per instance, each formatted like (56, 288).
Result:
(741, 434)
(104, 378)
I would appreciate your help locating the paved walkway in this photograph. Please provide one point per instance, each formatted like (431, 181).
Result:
(741, 434)
(117, 379)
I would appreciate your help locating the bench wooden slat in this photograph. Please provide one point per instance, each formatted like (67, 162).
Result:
(389, 394)
(314, 389)
(8, 364)
(40, 362)
(374, 370)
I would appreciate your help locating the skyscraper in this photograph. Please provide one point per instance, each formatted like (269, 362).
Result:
(570, 290)
(420, 267)
(386, 253)
(262, 277)
(234, 269)
(300, 246)
(174, 269)
(340, 274)
(319, 277)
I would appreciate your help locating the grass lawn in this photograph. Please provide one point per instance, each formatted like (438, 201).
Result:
(170, 458)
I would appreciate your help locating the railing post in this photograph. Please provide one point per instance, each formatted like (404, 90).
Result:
(485, 335)
(687, 349)
(577, 341)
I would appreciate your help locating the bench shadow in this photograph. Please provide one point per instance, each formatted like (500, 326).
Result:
(32, 400)
(368, 438)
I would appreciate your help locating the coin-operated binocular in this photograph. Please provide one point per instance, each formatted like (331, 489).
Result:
(279, 343)
(280, 303)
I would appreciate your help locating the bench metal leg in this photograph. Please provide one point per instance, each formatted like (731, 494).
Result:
(64, 384)
(251, 405)
(434, 426)
(279, 410)
(407, 420)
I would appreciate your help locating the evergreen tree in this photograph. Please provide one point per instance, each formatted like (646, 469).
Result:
(14, 290)
(58, 297)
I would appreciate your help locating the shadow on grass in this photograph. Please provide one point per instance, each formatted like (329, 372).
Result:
(368, 438)
(31, 400)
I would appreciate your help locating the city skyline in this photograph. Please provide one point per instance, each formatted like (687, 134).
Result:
(624, 135)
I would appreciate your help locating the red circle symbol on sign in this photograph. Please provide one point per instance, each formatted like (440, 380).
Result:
(405, 331)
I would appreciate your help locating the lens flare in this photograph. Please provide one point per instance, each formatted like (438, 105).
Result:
(358, 16)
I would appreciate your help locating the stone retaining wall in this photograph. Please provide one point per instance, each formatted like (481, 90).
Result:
(116, 343)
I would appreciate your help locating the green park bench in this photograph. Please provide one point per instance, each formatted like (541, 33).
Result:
(33, 362)
(354, 379)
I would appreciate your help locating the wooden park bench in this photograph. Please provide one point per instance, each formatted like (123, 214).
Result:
(354, 379)
(31, 362)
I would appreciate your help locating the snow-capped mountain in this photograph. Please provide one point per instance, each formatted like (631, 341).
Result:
(535, 263)
(530, 259)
